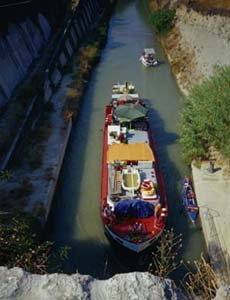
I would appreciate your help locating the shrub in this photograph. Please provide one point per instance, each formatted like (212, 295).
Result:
(163, 19)
(205, 122)
(201, 282)
(164, 257)
(20, 246)
(199, 279)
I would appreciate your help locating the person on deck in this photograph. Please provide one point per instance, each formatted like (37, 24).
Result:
(108, 213)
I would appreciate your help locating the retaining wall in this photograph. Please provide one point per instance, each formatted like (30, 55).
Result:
(18, 50)
(26, 41)
(82, 22)
(85, 18)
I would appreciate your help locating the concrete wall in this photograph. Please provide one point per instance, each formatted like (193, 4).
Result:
(22, 46)
(18, 50)
(84, 19)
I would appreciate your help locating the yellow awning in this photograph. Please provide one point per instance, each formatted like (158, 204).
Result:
(124, 152)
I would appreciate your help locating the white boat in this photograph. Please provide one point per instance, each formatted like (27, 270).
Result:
(148, 58)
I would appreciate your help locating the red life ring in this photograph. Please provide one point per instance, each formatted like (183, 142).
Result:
(146, 185)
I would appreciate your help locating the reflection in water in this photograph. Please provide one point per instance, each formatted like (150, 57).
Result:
(75, 219)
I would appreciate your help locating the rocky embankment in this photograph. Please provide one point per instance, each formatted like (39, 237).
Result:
(16, 284)
(197, 44)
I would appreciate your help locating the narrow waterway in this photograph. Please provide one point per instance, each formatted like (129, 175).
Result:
(74, 219)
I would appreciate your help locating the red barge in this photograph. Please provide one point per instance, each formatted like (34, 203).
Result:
(133, 198)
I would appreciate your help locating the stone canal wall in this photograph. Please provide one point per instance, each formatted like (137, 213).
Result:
(84, 19)
(26, 41)
(25, 50)
(18, 50)
(55, 85)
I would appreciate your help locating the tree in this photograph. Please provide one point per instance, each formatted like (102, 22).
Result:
(205, 122)
(163, 19)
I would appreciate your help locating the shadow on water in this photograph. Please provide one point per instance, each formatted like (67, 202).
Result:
(74, 218)
(109, 259)
(67, 195)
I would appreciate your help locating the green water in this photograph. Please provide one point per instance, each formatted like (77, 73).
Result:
(74, 219)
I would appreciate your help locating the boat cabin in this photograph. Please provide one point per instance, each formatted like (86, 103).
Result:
(149, 53)
(131, 166)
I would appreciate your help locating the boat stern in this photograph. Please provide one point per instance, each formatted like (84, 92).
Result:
(137, 246)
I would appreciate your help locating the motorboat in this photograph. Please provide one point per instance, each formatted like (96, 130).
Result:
(148, 58)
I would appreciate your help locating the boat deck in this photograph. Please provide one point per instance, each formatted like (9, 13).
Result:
(139, 229)
(137, 136)
(133, 207)
(146, 169)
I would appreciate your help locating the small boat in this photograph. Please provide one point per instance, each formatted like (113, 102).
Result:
(148, 58)
(133, 199)
(189, 200)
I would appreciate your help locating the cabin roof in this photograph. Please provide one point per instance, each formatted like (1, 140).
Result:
(117, 96)
(149, 51)
(129, 152)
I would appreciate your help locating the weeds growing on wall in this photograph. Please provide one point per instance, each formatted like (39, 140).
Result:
(200, 278)
(21, 246)
(202, 282)
(164, 258)
(87, 57)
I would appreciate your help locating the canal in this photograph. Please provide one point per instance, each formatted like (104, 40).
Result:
(74, 219)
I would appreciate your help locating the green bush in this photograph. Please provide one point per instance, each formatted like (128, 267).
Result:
(205, 122)
(163, 19)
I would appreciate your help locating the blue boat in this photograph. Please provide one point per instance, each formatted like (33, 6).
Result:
(189, 200)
